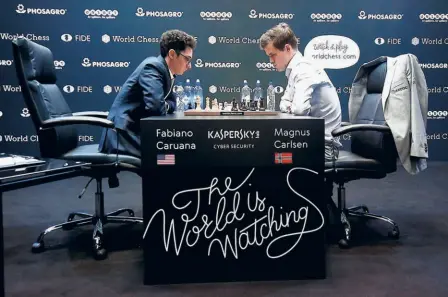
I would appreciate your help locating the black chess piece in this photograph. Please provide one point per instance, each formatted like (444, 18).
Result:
(252, 106)
(261, 107)
(234, 106)
(243, 106)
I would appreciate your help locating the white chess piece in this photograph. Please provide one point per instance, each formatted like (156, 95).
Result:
(198, 103)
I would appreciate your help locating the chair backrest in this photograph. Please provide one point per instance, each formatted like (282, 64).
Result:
(37, 78)
(372, 144)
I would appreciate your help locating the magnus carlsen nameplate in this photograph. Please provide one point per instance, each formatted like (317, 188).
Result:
(233, 199)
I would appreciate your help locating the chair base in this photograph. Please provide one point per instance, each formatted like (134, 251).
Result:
(98, 220)
(361, 211)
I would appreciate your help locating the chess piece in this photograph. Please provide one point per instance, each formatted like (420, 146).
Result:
(198, 103)
(243, 106)
(215, 105)
(261, 106)
(207, 104)
(252, 106)
(221, 106)
(234, 106)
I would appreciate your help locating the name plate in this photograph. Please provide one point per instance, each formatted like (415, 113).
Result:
(233, 200)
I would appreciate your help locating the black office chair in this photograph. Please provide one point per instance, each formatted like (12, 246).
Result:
(373, 154)
(58, 138)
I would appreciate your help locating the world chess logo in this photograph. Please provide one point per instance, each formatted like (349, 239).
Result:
(25, 113)
(379, 41)
(199, 63)
(212, 40)
(105, 38)
(59, 64)
(66, 37)
(107, 89)
(213, 89)
(415, 41)
(86, 62)
(68, 89)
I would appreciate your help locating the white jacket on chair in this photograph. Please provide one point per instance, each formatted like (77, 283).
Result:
(405, 106)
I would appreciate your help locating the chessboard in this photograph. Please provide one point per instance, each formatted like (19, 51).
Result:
(202, 113)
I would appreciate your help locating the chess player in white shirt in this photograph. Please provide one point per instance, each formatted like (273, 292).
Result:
(309, 91)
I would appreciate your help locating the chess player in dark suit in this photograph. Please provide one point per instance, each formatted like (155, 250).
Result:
(147, 92)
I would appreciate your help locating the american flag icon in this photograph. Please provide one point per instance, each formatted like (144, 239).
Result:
(163, 159)
(283, 158)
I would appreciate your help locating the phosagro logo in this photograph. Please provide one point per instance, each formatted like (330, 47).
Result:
(158, 14)
(101, 13)
(51, 11)
(273, 16)
(199, 63)
(215, 16)
(263, 66)
(379, 16)
(326, 17)
(437, 115)
(434, 18)
(434, 65)
(86, 62)
(6, 62)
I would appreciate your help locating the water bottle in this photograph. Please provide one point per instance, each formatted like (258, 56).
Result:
(270, 104)
(188, 95)
(179, 93)
(245, 93)
(258, 92)
(198, 92)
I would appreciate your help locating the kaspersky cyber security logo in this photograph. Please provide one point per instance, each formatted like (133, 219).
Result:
(86, 62)
(201, 64)
(47, 11)
(215, 15)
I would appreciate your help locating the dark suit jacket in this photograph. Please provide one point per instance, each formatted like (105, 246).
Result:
(142, 95)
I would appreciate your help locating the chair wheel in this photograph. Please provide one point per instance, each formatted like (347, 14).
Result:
(365, 209)
(395, 233)
(99, 252)
(343, 244)
(131, 213)
(38, 247)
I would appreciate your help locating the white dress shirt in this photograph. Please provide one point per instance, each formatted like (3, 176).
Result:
(310, 93)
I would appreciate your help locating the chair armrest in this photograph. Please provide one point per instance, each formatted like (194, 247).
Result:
(360, 127)
(343, 124)
(97, 114)
(73, 120)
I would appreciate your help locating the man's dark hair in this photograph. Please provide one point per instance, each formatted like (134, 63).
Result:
(176, 40)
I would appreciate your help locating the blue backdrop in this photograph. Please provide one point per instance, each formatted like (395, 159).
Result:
(97, 44)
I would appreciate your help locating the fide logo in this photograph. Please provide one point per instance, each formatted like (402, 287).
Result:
(379, 41)
(68, 89)
(66, 37)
